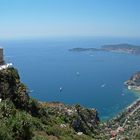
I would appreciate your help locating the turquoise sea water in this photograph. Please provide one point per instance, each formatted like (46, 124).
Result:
(47, 65)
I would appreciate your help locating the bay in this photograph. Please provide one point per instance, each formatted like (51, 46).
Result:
(92, 79)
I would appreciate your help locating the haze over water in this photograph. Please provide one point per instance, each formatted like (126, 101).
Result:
(47, 65)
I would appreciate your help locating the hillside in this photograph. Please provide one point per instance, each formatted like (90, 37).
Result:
(23, 118)
(120, 48)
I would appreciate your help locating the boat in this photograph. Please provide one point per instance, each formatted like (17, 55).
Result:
(103, 85)
(129, 87)
(60, 89)
(78, 73)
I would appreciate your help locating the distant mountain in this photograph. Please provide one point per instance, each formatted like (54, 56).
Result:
(123, 48)
(83, 49)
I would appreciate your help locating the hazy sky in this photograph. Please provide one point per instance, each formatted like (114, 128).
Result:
(44, 18)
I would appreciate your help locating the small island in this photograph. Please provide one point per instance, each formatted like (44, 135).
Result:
(122, 48)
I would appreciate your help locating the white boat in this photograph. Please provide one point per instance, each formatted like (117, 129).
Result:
(31, 91)
(77, 73)
(103, 85)
(60, 89)
(129, 87)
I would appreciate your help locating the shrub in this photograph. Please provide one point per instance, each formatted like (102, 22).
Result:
(5, 133)
(21, 125)
(33, 107)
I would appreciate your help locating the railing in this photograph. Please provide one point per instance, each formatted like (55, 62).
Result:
(5, 66)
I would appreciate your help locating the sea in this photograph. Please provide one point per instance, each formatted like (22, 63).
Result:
(52, 73)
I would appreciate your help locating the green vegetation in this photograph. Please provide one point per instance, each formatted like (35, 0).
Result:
(24, 118)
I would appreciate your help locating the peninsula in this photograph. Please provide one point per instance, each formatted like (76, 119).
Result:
(134, 82)
(123, 48)
(83, 49)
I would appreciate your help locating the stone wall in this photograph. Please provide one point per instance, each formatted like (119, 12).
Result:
(1, 56)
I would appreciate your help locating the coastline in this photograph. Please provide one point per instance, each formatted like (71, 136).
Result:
(129, 108)
(121, 112)
(80, 120)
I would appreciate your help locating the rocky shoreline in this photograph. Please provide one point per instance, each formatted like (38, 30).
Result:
(134, 82)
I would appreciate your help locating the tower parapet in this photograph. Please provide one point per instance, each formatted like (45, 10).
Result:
(1, 56)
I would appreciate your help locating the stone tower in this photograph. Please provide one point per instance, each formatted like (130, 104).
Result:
(1, 56)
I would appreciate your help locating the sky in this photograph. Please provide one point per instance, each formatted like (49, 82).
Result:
(52, 18)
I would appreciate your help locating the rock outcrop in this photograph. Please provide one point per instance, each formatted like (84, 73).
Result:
(11, 87)
(134, 82)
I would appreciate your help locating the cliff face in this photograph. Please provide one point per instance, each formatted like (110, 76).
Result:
(136, 77)
(79, 118)
(85, 120)
(12, 88)
(1, 56)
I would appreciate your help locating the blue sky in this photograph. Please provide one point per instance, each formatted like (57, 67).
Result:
(52, 18)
